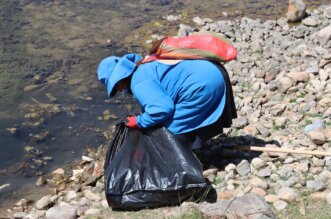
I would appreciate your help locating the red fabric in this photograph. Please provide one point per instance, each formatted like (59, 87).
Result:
(131, 122)
(198, 46)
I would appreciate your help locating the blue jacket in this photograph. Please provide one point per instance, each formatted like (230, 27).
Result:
(183, 97)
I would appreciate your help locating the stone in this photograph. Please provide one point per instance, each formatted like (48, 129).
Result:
(58, 171)
(298, 76)
(67, 212)
(284, 84)
(257, 163)
(257, 182)
(230, 167)
(224, 195)
(328, 198)
(310, 22)
(287, 194)
(251, 206)
(279, 205)
(259, 191)
(317, 136)
(318, 196)
(44, 202)
(315, 125)
(265, 172)
(71, 195)
(243, 168)
(296, 10)
(93, 211)
(316, 185)
(324, 35)
(280, 122)
(92, 196)
(271, 198)
(327, 12)
(19, 215)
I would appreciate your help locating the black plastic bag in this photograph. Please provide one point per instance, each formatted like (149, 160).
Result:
(150, 168)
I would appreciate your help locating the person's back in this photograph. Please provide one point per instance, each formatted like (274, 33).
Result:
(183, 96)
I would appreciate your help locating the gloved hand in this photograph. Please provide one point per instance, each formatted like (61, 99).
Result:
(131, 122)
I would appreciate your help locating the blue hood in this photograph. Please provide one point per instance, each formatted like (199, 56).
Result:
(113, 69)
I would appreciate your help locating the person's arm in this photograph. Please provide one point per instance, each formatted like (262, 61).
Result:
(157, 105)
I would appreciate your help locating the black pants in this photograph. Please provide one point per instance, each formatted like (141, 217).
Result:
(195, 139)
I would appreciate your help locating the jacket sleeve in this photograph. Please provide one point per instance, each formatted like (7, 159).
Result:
(157, 105)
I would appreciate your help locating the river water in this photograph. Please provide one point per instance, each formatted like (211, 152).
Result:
(52, 108)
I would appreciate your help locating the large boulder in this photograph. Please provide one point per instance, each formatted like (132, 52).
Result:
(296, 10)
(249, 206)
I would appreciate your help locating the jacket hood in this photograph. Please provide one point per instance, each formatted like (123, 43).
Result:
(113, 69)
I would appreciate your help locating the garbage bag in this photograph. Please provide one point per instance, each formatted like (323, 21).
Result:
(149, 168)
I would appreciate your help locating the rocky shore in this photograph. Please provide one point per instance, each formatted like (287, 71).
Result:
(282, 85)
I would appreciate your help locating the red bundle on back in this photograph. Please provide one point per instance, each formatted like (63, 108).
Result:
(205, 45)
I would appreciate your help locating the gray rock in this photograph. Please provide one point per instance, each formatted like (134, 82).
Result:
(243, 168)
(265, 172)
(316, 124)
(251, 206)
(65, 212)
(263, 130)
(280, 205)
(44, 202)
(310, 22)
(328, 198)
(313, 70)
(316, 185)
(284, 84)
(324, 35)
(19, 215)
(257, 163)
(327, 12)
(240, 122)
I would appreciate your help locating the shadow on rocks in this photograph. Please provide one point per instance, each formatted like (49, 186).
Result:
(219, 151)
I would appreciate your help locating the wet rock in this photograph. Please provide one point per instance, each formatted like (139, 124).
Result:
(67, 212)
(58, 171)
(41, 181)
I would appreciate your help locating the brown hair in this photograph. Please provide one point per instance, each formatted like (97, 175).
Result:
(153, 50)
